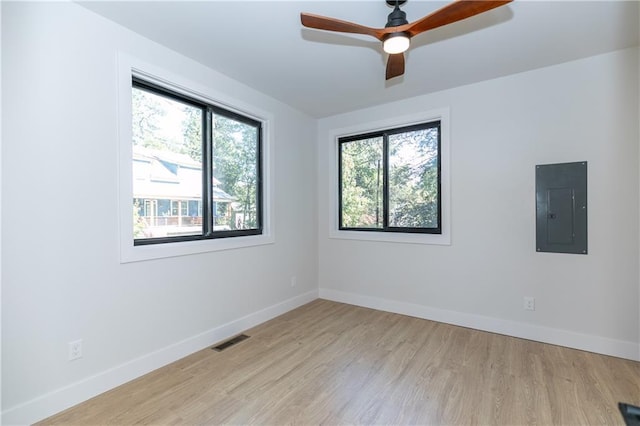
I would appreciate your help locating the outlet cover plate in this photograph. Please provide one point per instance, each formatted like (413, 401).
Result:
(529, 304)
(75, 350)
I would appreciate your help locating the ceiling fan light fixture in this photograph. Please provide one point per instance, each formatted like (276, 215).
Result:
(396, 43)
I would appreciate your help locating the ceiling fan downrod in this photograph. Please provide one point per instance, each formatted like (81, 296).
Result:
(394, 3)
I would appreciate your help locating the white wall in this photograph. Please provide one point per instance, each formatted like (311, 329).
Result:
(61, 275)
(585, 110)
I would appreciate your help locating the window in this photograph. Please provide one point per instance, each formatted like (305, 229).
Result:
(390, 180)
(196, 168)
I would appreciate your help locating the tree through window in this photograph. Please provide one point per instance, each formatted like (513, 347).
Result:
(390, 180)
(196, 168)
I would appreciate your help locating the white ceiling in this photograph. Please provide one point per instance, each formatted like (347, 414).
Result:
(263, 44)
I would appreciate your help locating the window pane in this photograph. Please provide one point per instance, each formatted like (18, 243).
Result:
(413, 179)
(361, 183)
(235, 175)
(167, 166)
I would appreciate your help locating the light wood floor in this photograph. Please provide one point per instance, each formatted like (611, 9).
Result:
(331, 363)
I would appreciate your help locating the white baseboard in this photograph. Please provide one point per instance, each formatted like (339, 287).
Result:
(75, 393)
(571, 339)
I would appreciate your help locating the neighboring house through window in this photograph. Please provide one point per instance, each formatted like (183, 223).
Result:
(196, 168)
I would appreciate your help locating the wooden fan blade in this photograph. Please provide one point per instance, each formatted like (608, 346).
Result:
(456, 11)
(331, 24)
(395, 65)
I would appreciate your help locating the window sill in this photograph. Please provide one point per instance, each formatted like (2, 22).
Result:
(158, 251)
(392, 237)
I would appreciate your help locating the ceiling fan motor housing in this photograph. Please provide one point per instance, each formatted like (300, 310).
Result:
(396, 18)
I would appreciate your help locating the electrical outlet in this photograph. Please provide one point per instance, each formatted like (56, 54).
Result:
(75, 349)
(294, 281)
(529, 304)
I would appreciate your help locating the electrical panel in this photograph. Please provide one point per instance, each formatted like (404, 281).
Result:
(561, 208)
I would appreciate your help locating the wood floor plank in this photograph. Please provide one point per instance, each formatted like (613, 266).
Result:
(332, 363)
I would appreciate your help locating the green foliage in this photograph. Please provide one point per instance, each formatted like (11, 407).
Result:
(147, 113)
(362, 183)
(413, 180)
(138, 222)
(192, 132)
(235, 165)
(152, 118)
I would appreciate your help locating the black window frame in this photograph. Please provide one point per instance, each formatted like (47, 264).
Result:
(384, 134)
(208, 233)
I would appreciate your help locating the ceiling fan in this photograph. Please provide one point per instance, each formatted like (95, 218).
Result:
(397, 33)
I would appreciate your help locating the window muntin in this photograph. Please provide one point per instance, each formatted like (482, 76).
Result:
(390, 180)
(196, 169)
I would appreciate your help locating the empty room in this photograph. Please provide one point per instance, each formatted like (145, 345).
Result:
(320, 212)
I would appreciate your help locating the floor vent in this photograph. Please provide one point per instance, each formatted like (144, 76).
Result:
(222, 346)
